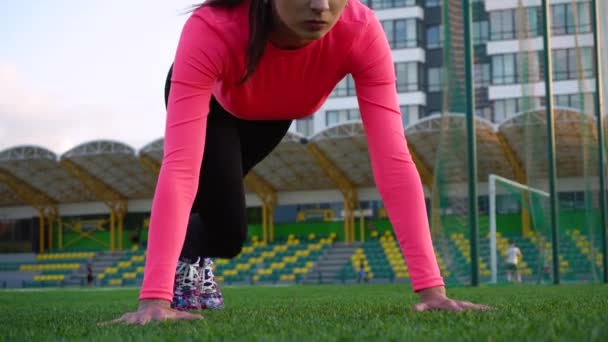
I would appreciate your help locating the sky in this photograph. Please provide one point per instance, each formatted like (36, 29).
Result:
(74, 71)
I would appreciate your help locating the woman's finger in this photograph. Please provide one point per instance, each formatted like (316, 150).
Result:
(123, 318)
(451, 305)
(472, 306)
(420, 307)
(187, 316)
(144, 319)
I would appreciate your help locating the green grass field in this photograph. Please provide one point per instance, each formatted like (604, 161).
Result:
(318, 313)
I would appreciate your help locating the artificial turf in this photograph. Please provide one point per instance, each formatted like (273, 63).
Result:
(318, 313)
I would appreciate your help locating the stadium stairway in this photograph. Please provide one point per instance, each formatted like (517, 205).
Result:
(327, 270)
(587, 258)
(99, 263)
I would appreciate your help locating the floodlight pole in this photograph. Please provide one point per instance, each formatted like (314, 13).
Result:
(550, 135)
(471, 143)
(601, 139)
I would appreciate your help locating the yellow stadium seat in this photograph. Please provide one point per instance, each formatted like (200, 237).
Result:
(115, 282)
(111, 270)
(290, 259)
(137, 258)
(280, 248)
(303, 253)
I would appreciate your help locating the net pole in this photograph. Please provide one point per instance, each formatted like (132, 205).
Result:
(552, 174)
(518, 185)
(492, 198)
(471, 143)
(599, 109)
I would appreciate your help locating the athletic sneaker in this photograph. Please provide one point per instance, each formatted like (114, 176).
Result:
(186, 290)
(210, 294)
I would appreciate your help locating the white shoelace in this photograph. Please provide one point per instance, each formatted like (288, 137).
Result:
(189, 274)
(208, 283)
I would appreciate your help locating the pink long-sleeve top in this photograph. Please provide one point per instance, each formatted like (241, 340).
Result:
(287, 84)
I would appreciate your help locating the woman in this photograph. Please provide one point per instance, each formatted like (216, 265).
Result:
(277, 60)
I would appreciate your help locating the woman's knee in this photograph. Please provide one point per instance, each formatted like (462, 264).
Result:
(228, 249)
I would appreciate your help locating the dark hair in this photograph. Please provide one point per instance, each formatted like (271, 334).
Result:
(259, 28)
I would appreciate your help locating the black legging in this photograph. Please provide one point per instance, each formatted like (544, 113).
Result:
(218, 220)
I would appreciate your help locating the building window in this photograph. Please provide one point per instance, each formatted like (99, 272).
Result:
(560, 64)
(566, 64)
(381, 4)
(583, 102)
(431, 3)
(305, 126)
(408, 76)
(533, 21)
(410, 114)
(505, 24)
(565, 17)
(525, 67)
(484, 112)
(434, 37)
(434, 79)
(480, 32)
(333, 117)
(502, 25)
(506, 108)
(346, 87)
(503, 69)
(482, 75)
(402, 33)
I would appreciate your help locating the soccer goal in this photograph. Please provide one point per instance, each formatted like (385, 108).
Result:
(522, 210)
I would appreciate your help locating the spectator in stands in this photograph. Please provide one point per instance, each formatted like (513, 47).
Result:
(362, 274)
(547, 258)
(244, 60)
(513, 256)
(90, 277)
(135, 240)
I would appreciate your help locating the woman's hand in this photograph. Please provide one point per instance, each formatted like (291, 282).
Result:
(435, 299)
(153, 310)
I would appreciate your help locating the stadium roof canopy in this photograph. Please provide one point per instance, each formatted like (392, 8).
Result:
(290, 167)
(346, 146)
(154, 150)
(116, 165)
(300, 163)
(576, 141)
(425, 140)
(38, 168)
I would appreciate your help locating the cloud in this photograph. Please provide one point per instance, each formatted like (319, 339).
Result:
(30, 116)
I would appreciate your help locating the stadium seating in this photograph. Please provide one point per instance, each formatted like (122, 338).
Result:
(50, 269)
(262, 263)
(290, 260)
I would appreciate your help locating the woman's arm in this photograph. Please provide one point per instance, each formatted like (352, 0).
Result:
(395, 173)
(197, 66)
